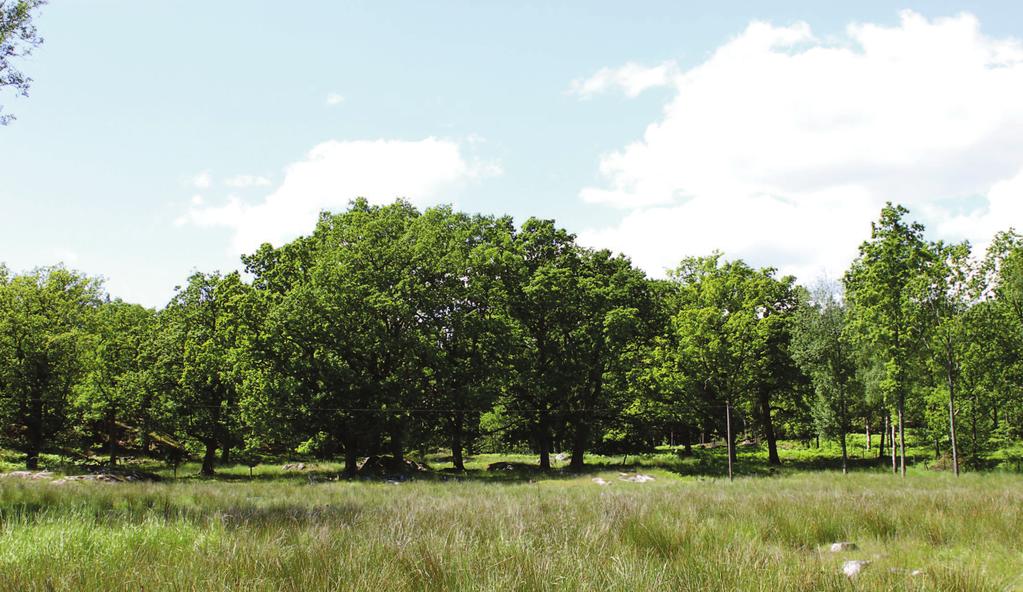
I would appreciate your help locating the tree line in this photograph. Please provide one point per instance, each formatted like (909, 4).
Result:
(390, 329)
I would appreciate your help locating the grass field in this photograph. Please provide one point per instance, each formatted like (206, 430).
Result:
(519, 531)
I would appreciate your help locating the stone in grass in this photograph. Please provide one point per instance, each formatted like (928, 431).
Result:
(852, 568)
(843, 546)
(600, 481)
(637, 478)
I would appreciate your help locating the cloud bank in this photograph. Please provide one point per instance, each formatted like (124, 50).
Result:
(782, 147)
(332, 174)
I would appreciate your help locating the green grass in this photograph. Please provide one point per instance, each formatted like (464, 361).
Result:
(565, 533)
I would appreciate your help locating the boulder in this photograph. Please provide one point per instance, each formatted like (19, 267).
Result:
(637, 478)
(843, 546)
(600, 481)
(853, 567)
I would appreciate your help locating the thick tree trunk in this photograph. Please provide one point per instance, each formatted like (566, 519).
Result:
(351, 457)
(579, 440)
(210, 458)
(687, 441)
(34, 424)
(397, 445)
(543, 441)
(765, 412)
(457, 459)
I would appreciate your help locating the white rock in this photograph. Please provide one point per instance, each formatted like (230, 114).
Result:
(853, 567)
(916, 572)
(843, 546)
(638, 478)
(600, 481)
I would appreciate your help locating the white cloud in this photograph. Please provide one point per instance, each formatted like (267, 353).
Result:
(334, 99)
(202, 180)
(781, 148)
(332, 174)
(631, 78)
(242, 181)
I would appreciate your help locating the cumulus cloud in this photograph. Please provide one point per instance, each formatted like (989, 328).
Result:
(781, 148)
(202, 180)
(334, 99)
(242, 181)
(632, 79)
(332, 174)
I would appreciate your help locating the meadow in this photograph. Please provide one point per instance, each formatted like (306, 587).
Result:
(521, 530)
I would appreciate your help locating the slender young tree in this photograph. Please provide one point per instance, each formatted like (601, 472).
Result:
(886, 318)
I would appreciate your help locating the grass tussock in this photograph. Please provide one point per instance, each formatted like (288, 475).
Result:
(563, 534)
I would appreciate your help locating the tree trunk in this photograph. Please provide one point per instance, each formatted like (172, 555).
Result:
(845, 456)
(952, 423)
(880, 446)
(894, 467)
(112, 439)
(397, 446)
(902, 438)
(764, 397)
(457, 459)
(973, 415)
(728, 437)
(867, 424)
(579, 440)
(225, 453)
(35, 433)
(543, 441)
(209, 458)
(351, 457)
(687, 441)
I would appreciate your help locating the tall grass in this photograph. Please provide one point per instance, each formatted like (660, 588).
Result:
(565, 534)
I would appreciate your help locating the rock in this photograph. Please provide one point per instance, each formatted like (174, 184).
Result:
(637, 478)
(600, 481)
(853, 567)
(916, 573)
(843, 546)
(293, 467)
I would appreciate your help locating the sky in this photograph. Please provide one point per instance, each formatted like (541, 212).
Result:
(161, 138)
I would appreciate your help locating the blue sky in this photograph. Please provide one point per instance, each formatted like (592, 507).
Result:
(165, 137)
